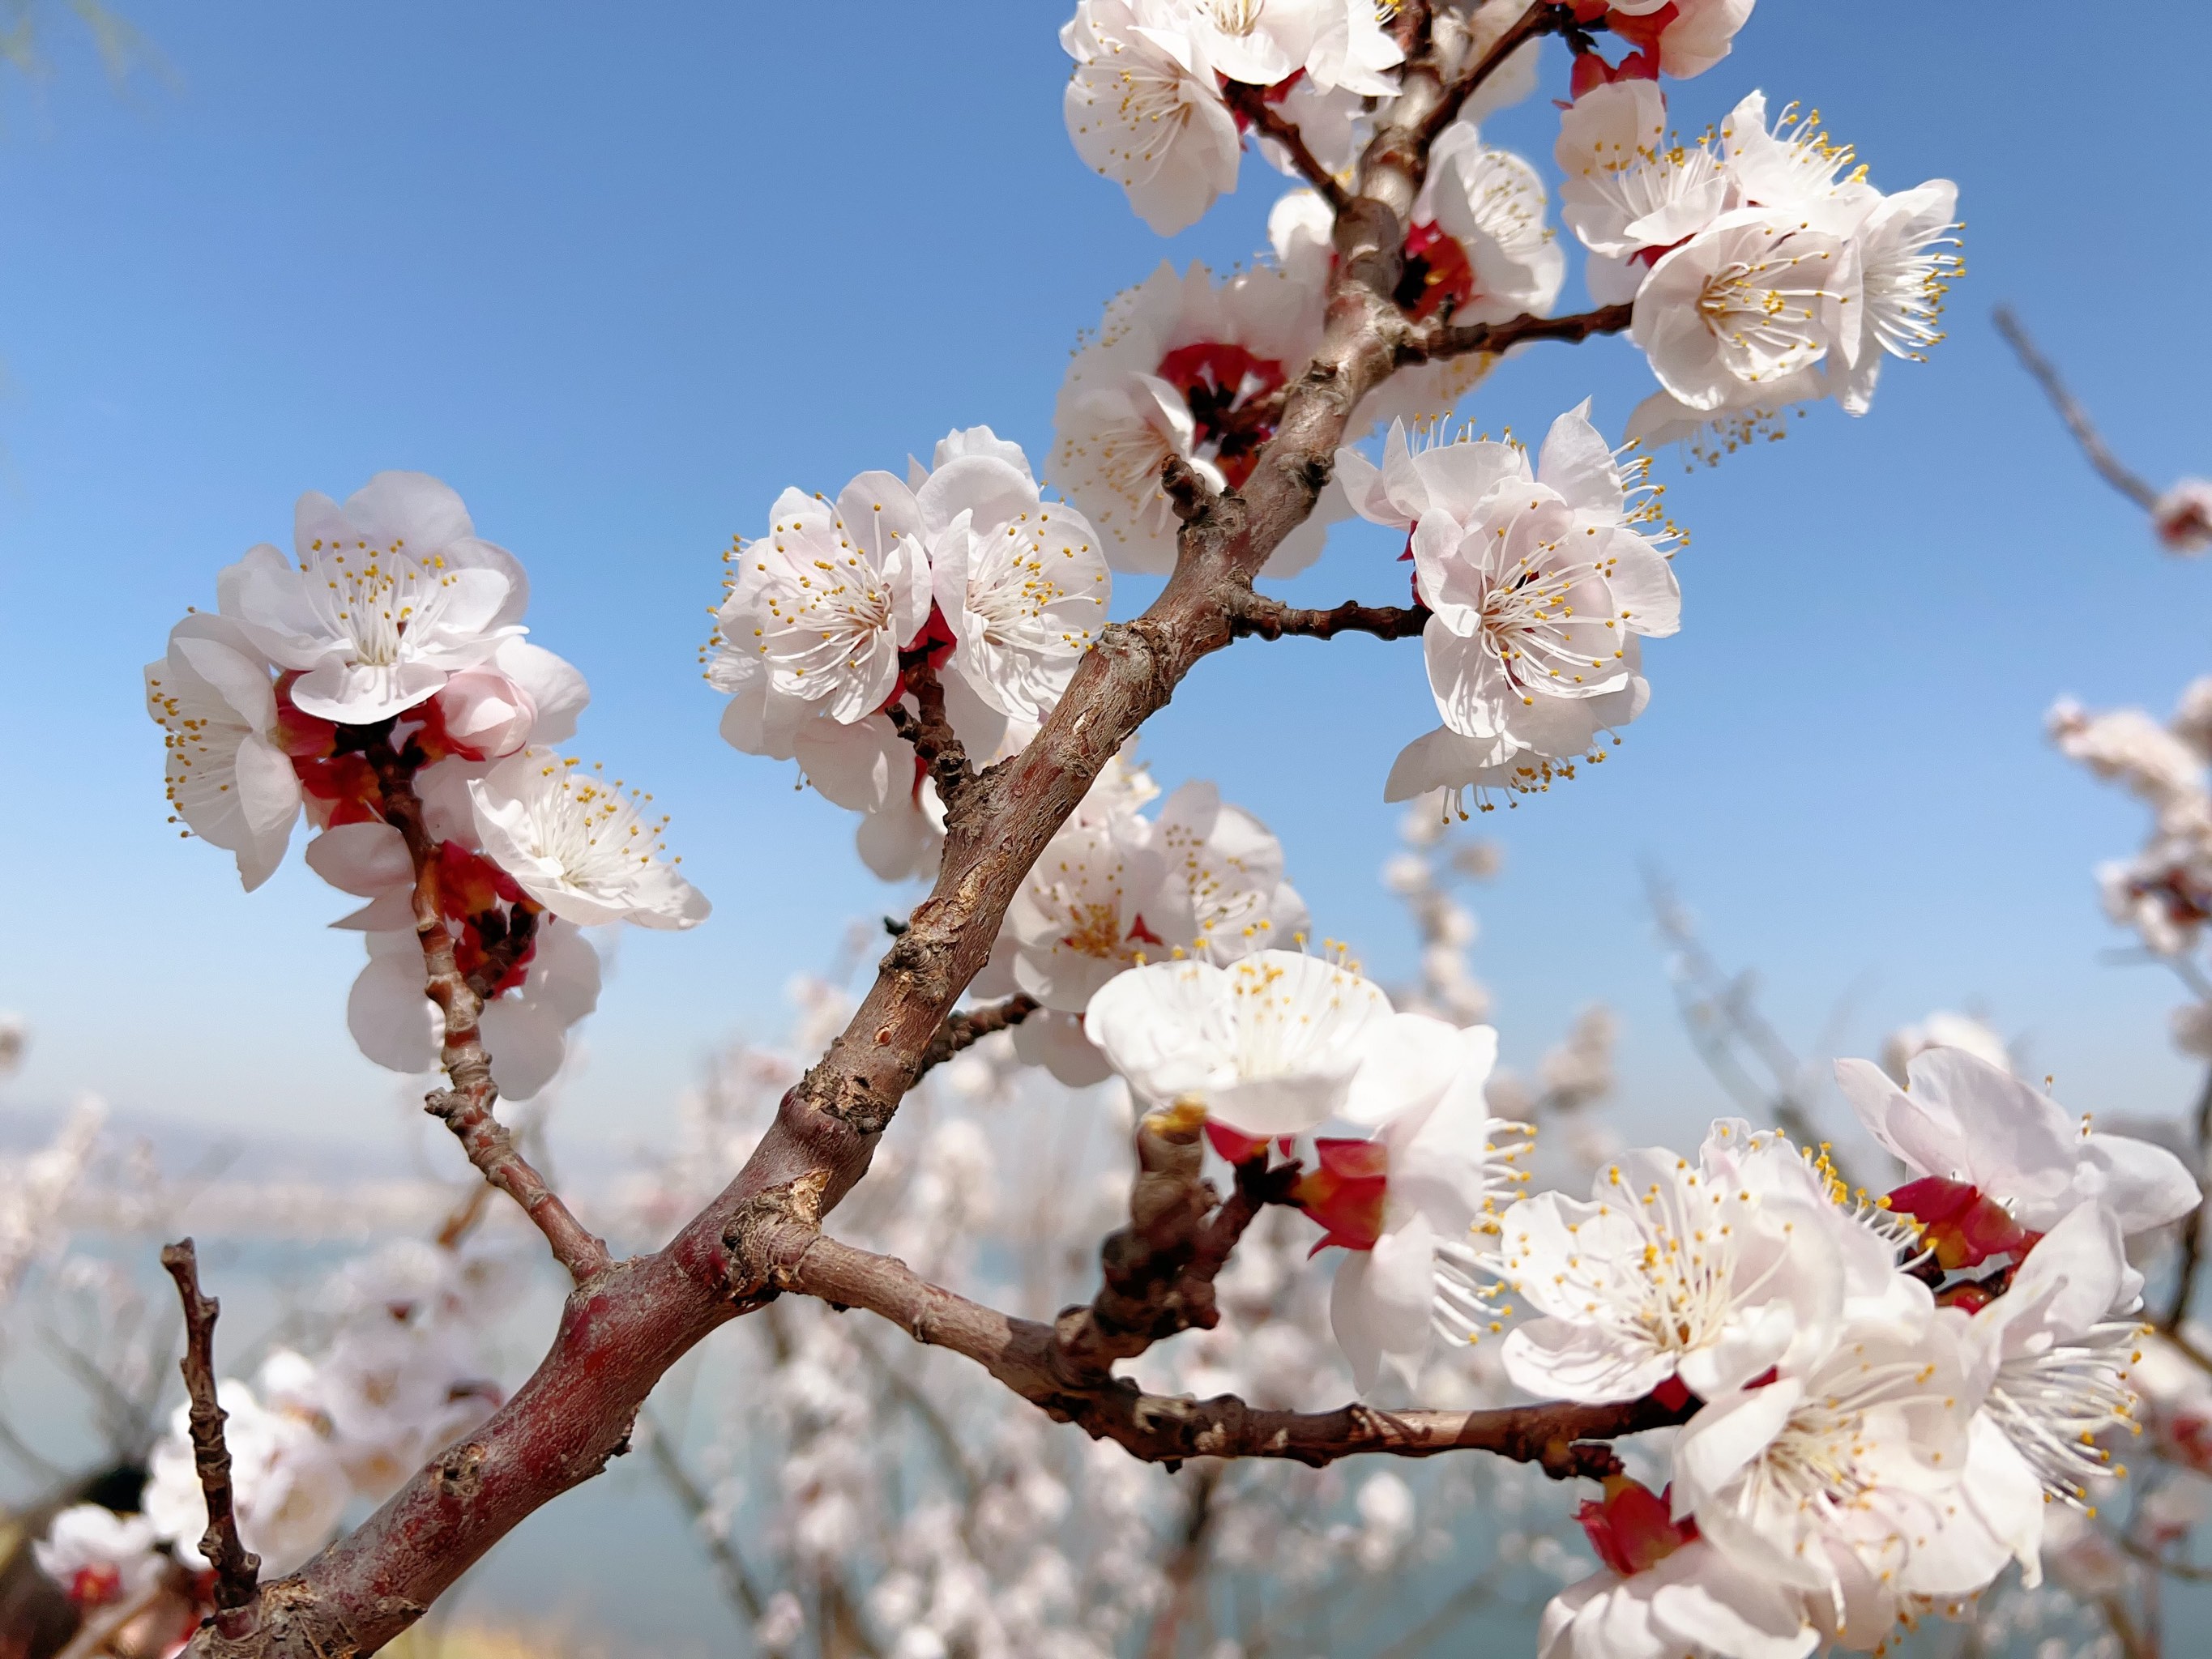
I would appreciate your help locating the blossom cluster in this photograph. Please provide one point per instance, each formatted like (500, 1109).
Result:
(386, 659)
(962, 576)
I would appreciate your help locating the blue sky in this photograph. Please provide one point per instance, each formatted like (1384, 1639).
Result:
(620, 275)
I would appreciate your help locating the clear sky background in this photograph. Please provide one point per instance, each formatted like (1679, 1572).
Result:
(620, 275)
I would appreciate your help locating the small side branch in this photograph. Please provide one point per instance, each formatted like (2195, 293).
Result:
(931, 730)
(1268, 120)
(971, 1025)
(2192, 1226)
(1459, 339)
(237, 1569)
(1271, 619)
(466, 1107)
(2109, 466)
(773, 1246)
(1540, 20)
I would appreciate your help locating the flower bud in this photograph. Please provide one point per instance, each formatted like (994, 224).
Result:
(486, 715)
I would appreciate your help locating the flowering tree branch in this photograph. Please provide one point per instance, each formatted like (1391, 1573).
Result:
(237, 1570)
(1269, 618)
(626, 1322)
(466, 1107)
(788, 1254)
(1540, 19)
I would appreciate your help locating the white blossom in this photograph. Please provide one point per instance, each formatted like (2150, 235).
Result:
(288, 1487)
(98, 1556)
(1144, 111)
(228, 777)
(392, 593)
(579, 846)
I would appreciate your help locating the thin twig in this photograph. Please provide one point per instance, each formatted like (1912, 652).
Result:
(467, 1108)
(931, 730)
(1266, 120)
(95, 1635)
(1269, 618)
(660, 1448)
(1458, 339)
(968, 1026)
(1183, 1564)
(237, 1569)
(2109, 466)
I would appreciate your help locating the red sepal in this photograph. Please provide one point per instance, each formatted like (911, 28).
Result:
(1631, 1529)
(1346, 1193)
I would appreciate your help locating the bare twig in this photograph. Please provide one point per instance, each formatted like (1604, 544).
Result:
(1184, 1563)
(466, 1107)
(1269, 618)
(2109, 466)
(931, 730)
(776, 1250)
(668, 1463)
(97, 1634)
(1266, 120)
(1458, 339)
(237, 1569)
(2192, 1227)
(968, 1026)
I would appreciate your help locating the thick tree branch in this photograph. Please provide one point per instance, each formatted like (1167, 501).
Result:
(1271, 619)
(1457, 340)
(237, 1569)
(2108, 465)
(788, 1254)
(466, 1107)
(972, 1025)
(1268, 120)
(625, 1326)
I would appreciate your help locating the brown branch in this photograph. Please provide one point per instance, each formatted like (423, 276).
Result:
(2109, 466)
(1182, 1568)
(466, 1107)
(624, 1327)
(1268, 120)
(971, 1025)
(1457, 340)
(1540, 20)
(237, 1569)
(931, 730)
(1271, 619)
(2192, 1226)
(782, 1251)
(1158, 1270)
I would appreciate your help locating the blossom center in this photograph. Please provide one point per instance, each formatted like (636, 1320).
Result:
(1230, 392)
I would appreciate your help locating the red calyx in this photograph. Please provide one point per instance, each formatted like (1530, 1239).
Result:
(1962, 1225)
(1221, 383)
(1437, 273)
(1631, 1528)
(1644, 32)
(94, 1586)
(470, 883)
(303, 736)
(1346, 1193)
(1674, 1394)
(1591, 70)
(1234, 1144)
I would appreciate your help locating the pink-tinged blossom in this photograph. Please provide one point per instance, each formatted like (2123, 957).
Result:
(228, 777)
(1078, 917)
(1630, 188)
(1267, 1045)
(1186, 368)
(2183, 517)
(1437, 1164)
(581, 846)
(1540, 584)
(2050, 1359)
(1145, 111)
(1338, 43)
(1684, 37)
(392, 593)
(1962, 1121)
(1222, 892)
(98, 1557)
